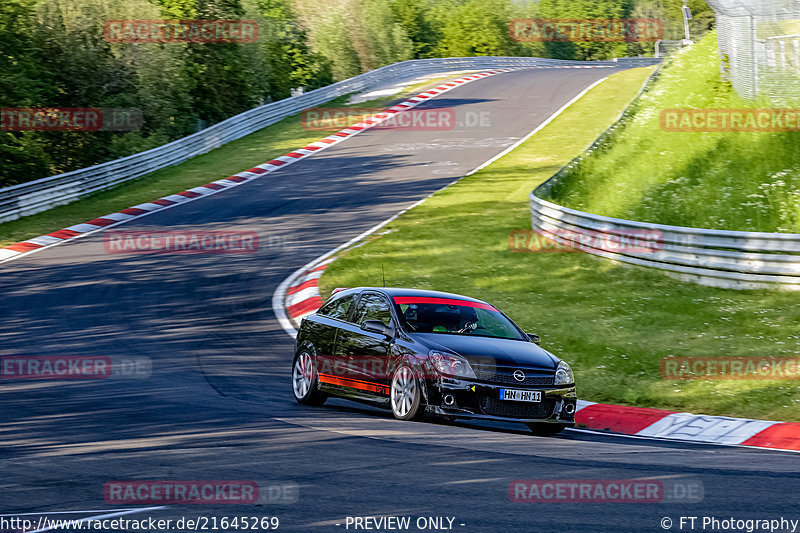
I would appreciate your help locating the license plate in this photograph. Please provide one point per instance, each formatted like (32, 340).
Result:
(521, 395)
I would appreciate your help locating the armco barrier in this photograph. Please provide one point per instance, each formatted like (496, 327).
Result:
(729, 259)
(33, 197)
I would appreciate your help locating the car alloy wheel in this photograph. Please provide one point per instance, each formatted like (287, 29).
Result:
(405, 394)
(304, 380)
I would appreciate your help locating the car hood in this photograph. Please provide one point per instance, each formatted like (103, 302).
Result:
(485, 350)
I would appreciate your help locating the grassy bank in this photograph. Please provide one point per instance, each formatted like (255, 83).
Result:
(729, 180)
(613, 323)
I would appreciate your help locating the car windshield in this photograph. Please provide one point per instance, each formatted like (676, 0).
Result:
(455, 317)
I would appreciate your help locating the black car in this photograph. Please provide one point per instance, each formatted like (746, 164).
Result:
(417, 351)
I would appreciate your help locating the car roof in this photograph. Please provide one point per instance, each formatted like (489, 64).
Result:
(393, 292)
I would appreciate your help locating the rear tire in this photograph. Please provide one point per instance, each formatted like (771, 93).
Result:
(305, 382)
(405, 395)
(544, 429)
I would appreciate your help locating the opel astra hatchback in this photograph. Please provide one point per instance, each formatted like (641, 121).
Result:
(416, 351)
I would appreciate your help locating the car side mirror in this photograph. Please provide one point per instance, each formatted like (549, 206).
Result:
(534, 338)
(376, 326)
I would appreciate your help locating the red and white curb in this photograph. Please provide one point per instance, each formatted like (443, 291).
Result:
(298, 296)
(303, 298)
(29, 246)
(646, 422)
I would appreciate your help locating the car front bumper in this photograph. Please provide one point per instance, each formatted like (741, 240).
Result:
(475, 399)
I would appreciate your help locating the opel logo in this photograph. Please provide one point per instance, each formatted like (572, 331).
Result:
(519, 375)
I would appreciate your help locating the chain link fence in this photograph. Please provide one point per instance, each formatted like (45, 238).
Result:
(665, 48)
(759, 45)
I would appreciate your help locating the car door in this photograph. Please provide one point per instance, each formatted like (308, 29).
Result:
(366, 352)
(324, 331)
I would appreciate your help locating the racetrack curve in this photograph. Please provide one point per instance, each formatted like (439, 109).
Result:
(219, 405)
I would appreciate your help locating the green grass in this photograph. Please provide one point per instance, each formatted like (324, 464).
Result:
(247, 152)
(613, 323)
(222, 162)
(732, 180)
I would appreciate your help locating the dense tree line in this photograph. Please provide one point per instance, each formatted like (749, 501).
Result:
(54, 53)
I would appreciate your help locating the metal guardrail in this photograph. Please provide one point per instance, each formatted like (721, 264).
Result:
(721, 258)
(35, 196)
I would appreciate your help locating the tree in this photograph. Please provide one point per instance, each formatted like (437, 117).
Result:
(477, 28)
(327, 24)
(354, 35)
(290, 63)
(23, 82)
(387, 40)
(581, 10)
(410, 14)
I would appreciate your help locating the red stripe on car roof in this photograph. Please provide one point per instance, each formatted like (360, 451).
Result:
(448, 301)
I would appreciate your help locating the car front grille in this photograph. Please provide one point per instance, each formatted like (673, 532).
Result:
(511, 409)
(509, 379)
(504, 374)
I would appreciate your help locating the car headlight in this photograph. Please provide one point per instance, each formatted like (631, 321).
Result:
(451, 364)
(564, 374)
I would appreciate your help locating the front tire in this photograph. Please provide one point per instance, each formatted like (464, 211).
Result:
(544, 429)
(405, 394)
(305, 382)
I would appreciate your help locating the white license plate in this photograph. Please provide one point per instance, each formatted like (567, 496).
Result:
(521, 395)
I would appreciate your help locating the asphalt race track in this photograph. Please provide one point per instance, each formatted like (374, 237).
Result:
(219, 406)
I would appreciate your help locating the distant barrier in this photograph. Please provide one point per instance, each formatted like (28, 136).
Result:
(35, 196)
(729, 259)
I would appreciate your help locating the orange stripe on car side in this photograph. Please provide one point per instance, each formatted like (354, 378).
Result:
(355, 384)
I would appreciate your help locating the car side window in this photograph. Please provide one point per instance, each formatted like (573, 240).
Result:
(338, 309)
(491, 325)
(372, 307)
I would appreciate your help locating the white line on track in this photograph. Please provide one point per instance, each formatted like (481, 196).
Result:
(278, 297)
(541, 126)
(72, 512)
(182, 200)
(677, 441)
